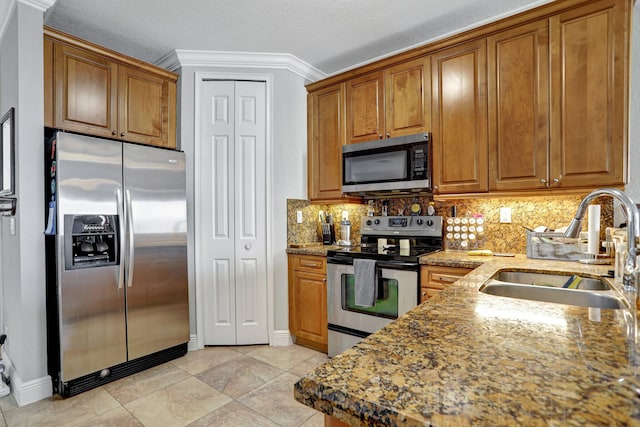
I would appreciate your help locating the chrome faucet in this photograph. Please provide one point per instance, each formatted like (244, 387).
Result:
(633, 229)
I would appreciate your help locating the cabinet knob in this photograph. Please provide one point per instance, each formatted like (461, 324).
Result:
(556, 181)
(435, 188)
(388, 135)
(380, 135)
(324, 279)
(114, 133)
(122, 134)
(543, 181)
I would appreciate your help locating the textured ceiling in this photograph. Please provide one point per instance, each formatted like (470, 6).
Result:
(331, 35)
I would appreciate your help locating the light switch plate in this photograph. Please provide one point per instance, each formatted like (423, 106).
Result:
(299, 217)
(505, 215)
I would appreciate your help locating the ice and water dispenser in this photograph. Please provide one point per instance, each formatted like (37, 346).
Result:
(90, 241)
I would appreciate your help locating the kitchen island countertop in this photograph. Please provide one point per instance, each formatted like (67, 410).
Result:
(467, 358)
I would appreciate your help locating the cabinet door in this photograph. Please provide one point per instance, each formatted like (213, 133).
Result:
(144, 108)
(460, 151)
(365, 108)
(85, 86)
(408, 98)
(310, 294)
(326, 133)
(589, 50)
(434, 279)
(518, 86)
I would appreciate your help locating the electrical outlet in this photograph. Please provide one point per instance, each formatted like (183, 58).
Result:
(299, 217)
(505, 215)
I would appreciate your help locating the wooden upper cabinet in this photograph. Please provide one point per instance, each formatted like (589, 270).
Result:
(518, 87)
(143, 107)
(459, 94)
(393, 102)
(365, 108)
(408, 98)
(589, 86)
(95, 91)
(326, 136)
(85, 92)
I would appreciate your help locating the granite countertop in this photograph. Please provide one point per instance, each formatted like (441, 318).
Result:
(317, 249)
(464, 357)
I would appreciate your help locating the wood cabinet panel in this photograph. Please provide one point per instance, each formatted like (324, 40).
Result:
(143, 107)
(95, 91)
(589, 57)
(326, 136)
(460, 119)
(308, 300)
(85, 86)
(518, 87)
(434, 278)
(365, 108)
(408, 98)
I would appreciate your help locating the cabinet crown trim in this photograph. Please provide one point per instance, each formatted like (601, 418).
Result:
(212, 58)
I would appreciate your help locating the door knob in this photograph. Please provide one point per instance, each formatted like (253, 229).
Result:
(247, 246)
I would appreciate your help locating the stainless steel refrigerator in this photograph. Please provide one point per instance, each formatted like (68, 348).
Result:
(117, 293)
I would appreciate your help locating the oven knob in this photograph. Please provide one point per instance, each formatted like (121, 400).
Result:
(420, 221)
(429, 222)
(377, 222)
(369, 222)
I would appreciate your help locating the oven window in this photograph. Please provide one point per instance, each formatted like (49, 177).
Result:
(386, 304)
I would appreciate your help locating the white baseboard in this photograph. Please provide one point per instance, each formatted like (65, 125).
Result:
(31, 391)
(193, 343)
(281, 338)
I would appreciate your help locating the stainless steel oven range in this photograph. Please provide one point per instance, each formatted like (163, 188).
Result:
(391, 246)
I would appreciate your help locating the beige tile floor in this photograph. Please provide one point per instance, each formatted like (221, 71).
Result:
(218, 386)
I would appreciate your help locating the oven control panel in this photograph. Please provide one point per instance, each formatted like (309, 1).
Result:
(402, 225)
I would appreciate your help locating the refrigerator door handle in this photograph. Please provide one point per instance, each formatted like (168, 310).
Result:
(120, 212)
(130, 254)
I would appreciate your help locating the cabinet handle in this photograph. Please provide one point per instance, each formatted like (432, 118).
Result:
(448, 279)
(122, 134)
(435, 188)
(114, 133)
(543, 181)
(309, 265)
(388, 135)
(324, 279)
(556, 181)
(380, 135)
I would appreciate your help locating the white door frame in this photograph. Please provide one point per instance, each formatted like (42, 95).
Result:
(199, 77)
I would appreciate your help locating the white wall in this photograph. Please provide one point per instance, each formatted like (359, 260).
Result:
(23, 275)
(633, 188)
(287, 168)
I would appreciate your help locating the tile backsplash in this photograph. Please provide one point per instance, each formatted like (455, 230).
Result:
(530, 211)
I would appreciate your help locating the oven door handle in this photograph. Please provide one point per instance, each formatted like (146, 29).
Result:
(398, 265)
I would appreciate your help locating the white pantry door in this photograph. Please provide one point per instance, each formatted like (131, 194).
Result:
(233, 212)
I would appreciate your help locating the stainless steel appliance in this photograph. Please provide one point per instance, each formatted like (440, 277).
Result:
(395, 243)
(117, 295)
(401, 164)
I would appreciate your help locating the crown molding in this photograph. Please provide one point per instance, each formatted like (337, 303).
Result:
(209, 58)
(43, 5)
(7, 6)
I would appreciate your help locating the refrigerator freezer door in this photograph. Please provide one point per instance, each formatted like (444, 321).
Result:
(156, 260)
(92, 307)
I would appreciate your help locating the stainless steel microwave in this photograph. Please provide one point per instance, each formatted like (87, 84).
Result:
(401, 164)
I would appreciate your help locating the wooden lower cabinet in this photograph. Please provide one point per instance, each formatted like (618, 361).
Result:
(308, 300)
(435, 278)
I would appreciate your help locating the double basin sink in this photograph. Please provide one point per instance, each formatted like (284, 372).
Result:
(556, 288)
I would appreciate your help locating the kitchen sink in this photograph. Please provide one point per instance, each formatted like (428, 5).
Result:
(548, 287)
(550, 280)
